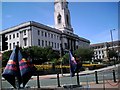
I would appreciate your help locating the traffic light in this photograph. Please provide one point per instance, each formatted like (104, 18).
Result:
(4, 43)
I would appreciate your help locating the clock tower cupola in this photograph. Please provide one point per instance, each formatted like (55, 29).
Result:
(62, 16)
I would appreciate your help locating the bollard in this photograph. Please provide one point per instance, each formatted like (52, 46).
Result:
(96, 77)
(114, 77)
(38, 83)
(78, 82)
(58, 80)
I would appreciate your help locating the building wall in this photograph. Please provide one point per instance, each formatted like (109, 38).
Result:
(101, 49)
(12, 39)
(43, 38)
(35, 34)
(17, 38)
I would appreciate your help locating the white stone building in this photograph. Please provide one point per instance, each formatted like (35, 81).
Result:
(32, 33)
(101, 49)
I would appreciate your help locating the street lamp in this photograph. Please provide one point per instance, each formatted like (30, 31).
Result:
(112, 36)
(112, 41)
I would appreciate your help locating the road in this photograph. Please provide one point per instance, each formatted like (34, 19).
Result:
(52, 81)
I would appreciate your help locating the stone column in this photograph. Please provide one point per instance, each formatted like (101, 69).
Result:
(29, 37)
(21, 39)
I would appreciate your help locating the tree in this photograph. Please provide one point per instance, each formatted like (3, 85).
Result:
(5, 57)
(65, 59)
(84, 54)
(112, 53)
(38, 55)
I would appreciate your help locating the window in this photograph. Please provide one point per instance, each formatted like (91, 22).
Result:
(65, 45)
(99, 57)
(25, 41)
(38, 32)
(39, 42)
(43, 43)
(42, 33)
(10, 46)
(59, 19)
(52, 44)
(103, 56)
(24, 32)
(99, 52)
(66, 6)
(102, 52)
(55, 45)
(67, 19)
(58, 45)
(17, 34)
(13, 44)
(9, 36)
(55, 36)
(17, 43)
(51, 35)
(49, 43)
(45, 34)
(13, 35)
(48, 34)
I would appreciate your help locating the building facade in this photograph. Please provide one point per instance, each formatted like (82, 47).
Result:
(32, 33)
(101, 49)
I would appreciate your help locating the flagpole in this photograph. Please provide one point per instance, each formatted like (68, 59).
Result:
(70, 72)
(71, 87)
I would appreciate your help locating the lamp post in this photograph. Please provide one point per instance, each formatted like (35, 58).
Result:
(112, 41)
(112, 36)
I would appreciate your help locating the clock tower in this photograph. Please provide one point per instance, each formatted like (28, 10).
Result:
(62, 16)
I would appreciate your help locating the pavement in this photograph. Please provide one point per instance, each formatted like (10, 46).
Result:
(103, 85)
(86, 72)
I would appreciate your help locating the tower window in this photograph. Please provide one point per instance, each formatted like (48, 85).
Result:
(67, 19)
(59, 19)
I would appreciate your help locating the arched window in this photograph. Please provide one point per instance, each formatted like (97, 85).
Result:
(59, 19)
(67, 18)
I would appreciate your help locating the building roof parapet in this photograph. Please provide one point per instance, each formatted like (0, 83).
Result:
(16, 27)
(83, 39)
(29, 23)
(33, 23)
(109, 43)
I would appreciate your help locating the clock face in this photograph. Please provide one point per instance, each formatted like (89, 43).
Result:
(58, 7)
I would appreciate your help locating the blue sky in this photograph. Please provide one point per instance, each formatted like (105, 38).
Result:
(91, 20)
